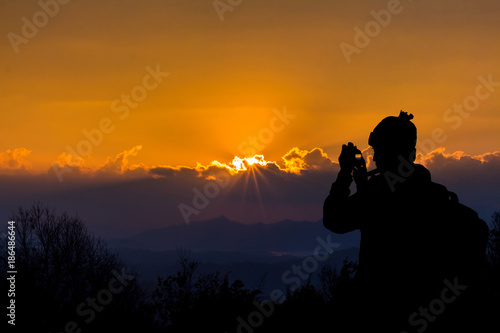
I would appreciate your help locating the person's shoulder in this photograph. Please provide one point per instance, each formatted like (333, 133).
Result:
(433, 191)
(422, 173)
(423, 185)
(423, 177)
(417, 174)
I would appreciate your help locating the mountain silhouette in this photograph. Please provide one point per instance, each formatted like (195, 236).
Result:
(222, 234)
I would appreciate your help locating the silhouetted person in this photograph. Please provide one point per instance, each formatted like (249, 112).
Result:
(414, 237)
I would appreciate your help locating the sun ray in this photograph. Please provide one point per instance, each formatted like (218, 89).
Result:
(258, 193)
(251, 173)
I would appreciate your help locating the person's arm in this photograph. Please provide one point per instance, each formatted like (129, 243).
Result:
(337, 209)
(340, 211)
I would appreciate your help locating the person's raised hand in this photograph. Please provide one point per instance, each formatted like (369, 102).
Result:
(347, 157)
(360, 175)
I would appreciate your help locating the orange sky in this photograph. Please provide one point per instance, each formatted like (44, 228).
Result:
(228, 79)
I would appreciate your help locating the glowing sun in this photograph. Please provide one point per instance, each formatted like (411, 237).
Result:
(243, 164)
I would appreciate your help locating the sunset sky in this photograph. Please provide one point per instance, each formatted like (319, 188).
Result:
(163, 84)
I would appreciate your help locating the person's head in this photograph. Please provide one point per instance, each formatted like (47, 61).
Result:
(392, 139)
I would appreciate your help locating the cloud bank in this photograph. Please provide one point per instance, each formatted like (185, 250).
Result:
(15, 161)
(120, 197)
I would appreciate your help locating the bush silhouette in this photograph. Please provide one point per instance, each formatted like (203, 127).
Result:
(189, 301)
(60, 264)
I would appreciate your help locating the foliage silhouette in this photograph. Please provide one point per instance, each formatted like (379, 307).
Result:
(494, 241)
(60, 264)
(188, 301)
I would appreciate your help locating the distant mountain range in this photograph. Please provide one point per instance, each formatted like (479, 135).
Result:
(249, 252)
(223, 235)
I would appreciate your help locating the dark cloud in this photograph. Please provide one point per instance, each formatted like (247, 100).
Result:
(167, 171)
(120, 199)
(476, 179)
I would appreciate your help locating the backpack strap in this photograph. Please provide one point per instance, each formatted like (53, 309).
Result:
(453, 197)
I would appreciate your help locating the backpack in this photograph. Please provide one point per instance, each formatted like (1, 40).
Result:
(466, 237)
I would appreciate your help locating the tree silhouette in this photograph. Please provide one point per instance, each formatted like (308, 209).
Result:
(59, 266)
(494, 240)
(333, 281)
(492, 288)
(189, 301)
